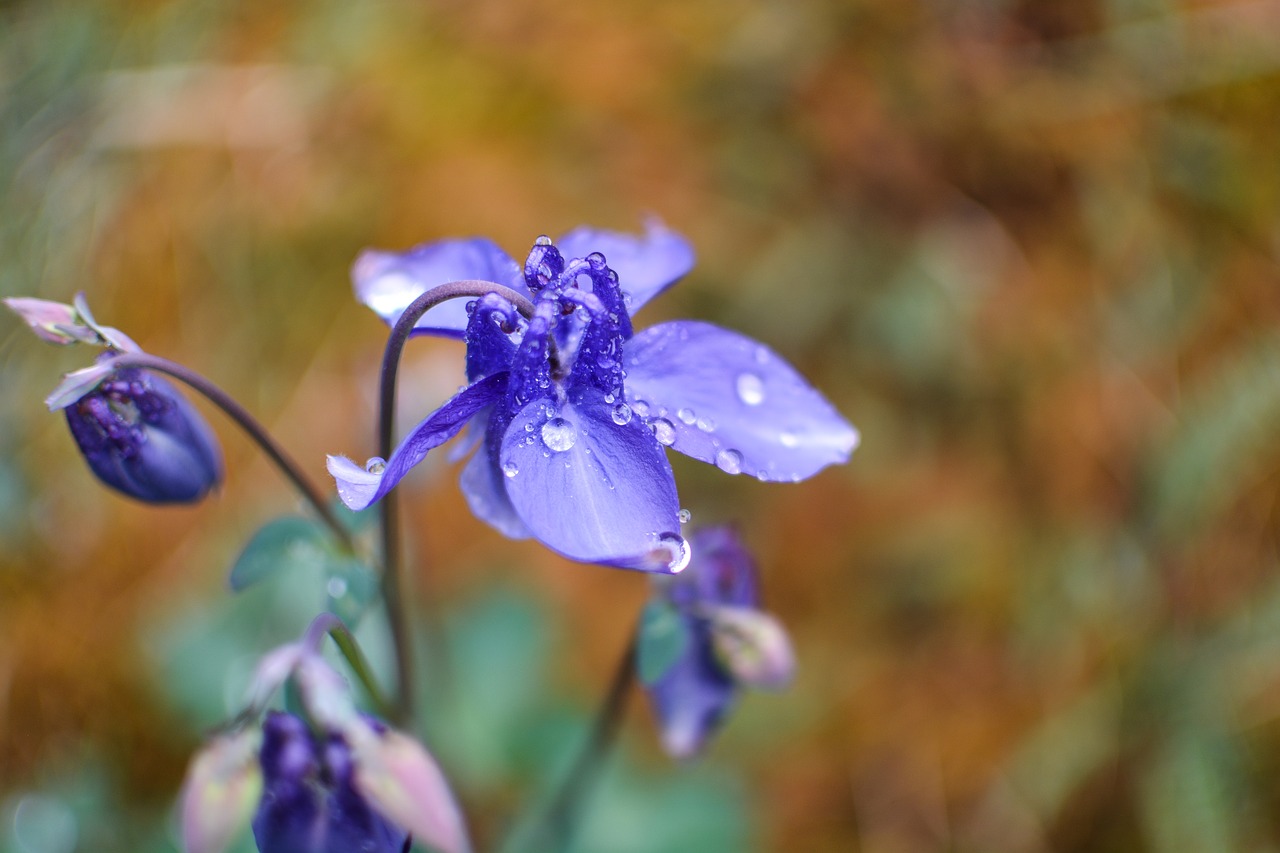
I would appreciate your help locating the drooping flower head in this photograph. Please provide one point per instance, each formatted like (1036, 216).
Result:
(333, 781)
(574, 411)
(138, 434)
(703, 637)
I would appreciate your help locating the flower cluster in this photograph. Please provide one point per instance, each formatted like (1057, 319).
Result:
(572, 411)
(703, 636)
(330, 782)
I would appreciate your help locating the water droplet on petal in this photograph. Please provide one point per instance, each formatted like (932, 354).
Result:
(750, 389)
(471, 305)
(543, 240)
(510, 469)
(375, 465)
(687, 416)
(706, 424)
(684, 515)
(528, 427)
(729, 461)
(559, 435)
(664, 432)
(622, 414)
(678, 551)
(641, 408)
(596, 260)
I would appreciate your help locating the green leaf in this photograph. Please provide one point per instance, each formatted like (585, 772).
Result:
(279, 543)
(663, 639)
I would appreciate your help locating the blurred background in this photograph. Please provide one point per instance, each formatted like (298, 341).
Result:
(1029, 248)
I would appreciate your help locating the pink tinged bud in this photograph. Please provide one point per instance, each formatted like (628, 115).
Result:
(54, 322)
(325, 693)
(221, 790)
(753, 646)
(397, 776)
(271, 672)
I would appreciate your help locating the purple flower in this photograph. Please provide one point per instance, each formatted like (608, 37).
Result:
(572, 412)
(310, 803)
(141, 437)
(703, 636)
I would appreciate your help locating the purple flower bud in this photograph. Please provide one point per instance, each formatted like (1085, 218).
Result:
(310, 803)
(141, 437)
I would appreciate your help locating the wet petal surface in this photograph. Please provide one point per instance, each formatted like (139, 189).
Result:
(726, 399)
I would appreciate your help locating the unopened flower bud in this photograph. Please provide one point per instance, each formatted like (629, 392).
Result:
(141, 437)
(222, 786)
(753, 646)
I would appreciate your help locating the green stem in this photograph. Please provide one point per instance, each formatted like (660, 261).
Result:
(392, 594)
(330, 624)
(251, 427)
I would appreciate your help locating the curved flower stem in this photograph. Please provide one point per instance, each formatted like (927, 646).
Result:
(391, 591)
(560, 820)
(329, 623)
(252, 428)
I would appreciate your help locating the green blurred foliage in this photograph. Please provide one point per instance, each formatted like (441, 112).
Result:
(1029, 248)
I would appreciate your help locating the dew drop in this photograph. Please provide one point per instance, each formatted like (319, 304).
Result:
(750, 389)
(543, 240)
(687, 416)
(528, 427)
(622, 414)
(677, 550)
(641, 408)
(729, 461)
(596, 260)
(471, 305)
(375, 465)
(336, 587)
(706, 424)
(664, 432)
(510, 469)
(684, 515)
(558, 434)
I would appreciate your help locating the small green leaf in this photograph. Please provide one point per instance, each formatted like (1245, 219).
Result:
(277, 544)
(664, 636)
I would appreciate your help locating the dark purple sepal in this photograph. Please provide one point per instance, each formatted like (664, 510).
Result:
(723, 572)
(489, 346)
(309, 803)
(142, 438)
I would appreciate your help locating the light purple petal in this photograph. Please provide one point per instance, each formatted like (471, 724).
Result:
(592, 489)
(388, 281)
(358, 487)
(726, 399)
(484, 487)
(77, 383)
(646, 265)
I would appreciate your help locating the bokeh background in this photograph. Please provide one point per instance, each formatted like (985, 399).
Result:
(1029, 248)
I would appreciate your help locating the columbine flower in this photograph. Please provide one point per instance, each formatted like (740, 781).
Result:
(138, 434)
(334, 782)
(572, 411)
(703, 636)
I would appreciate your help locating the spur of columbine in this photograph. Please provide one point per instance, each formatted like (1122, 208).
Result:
(572, 412)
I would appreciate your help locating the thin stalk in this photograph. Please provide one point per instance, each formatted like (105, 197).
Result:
(560, 820)
(392, 593)
(292, 472)
(329, 623)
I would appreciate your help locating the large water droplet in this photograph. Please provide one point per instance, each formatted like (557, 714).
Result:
(641, 408)
(677, 549)
(664, 432)
(543, 240)
(687, 416)
(510, 469)
(729, 461)
(684, 515)
(596, 260)
(706, 424)
(375, 465)
(622, 414)
(750, 389)
(558, 434)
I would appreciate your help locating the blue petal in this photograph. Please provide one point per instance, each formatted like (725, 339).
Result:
(388, 281)
(646, 265)
(726, 399)
(485, 489)
(358, 487)
(692, 697)
(591, 489)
